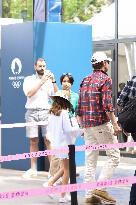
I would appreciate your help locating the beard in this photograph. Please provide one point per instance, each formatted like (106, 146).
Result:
(105, 69)
(40, 72)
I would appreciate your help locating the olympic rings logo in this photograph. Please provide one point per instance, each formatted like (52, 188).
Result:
(16, 84)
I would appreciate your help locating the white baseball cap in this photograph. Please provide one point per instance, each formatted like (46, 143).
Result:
(99, 57)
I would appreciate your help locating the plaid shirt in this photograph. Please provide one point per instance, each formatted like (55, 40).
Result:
(129, 91)
(95, 99)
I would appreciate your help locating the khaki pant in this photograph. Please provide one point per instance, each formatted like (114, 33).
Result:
(102, 134)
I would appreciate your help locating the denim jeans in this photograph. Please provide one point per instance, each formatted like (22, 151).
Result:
(132, 200)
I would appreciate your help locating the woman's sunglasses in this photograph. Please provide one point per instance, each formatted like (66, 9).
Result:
(69, 74)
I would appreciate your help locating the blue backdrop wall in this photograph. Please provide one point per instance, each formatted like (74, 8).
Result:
(16, 63)
(65, 47)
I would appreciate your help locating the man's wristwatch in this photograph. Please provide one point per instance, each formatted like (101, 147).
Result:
(54, 81)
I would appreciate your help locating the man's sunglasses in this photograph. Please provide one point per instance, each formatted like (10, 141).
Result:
(108, 61)
(41, 66)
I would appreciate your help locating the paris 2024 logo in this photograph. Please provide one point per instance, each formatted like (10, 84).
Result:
(16, 78)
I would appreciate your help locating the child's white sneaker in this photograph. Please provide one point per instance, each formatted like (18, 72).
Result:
(65, 199)
(45, 184)
(58, 182)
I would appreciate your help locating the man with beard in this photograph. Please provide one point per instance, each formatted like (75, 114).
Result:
(37, 87)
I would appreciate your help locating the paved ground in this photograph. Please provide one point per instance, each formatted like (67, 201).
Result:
(11, 180)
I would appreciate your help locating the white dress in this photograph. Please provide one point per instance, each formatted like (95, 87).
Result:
(60, 131)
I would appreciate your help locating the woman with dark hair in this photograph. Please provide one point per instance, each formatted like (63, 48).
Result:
(67, 81)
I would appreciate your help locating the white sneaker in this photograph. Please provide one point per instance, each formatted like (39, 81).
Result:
(58, 182)
(29, 173)
(45, 184)
(49, 175)
(65, 199)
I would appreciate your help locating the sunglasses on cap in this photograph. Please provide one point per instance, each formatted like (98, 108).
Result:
(107, 61)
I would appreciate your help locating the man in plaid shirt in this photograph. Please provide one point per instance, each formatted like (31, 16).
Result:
(129, 92)
(96, 115)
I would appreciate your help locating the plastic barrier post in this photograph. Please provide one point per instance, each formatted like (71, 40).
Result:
(72, 172)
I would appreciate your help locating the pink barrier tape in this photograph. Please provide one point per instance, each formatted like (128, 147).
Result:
(32, 154)
(105, 146)
(65, 150)
(66, 188)
(22, 124)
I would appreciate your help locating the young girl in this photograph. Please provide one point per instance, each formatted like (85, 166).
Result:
(59, 133)
(67, 81)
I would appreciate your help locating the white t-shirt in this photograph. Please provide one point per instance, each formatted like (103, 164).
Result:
(41, 98)
(60, 131)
